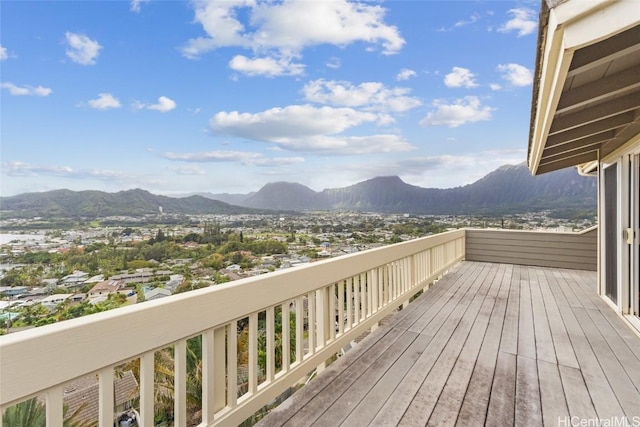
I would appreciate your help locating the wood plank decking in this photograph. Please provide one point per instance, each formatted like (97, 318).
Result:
(490, 344)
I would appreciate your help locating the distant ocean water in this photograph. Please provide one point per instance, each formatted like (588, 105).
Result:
(6, 238)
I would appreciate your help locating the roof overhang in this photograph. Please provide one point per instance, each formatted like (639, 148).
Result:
(586, 95)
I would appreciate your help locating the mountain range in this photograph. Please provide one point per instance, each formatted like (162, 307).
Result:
(508, 189)
(97, 204)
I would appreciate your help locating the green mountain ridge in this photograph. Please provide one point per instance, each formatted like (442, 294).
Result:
(96, 204)
(508, 189)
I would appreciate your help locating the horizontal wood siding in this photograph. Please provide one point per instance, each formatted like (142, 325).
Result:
(536, 248)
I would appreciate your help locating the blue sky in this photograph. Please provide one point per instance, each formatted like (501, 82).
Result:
(226, 96)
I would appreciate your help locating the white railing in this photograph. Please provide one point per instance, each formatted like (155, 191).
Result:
(323, 307)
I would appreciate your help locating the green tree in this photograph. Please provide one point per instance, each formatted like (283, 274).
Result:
(29, 413)
(32, 413)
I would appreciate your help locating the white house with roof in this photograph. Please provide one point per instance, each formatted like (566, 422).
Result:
(156, 293)
(12, 291)
(52, 301)
(105, 288)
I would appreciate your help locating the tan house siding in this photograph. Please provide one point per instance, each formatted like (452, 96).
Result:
(537, 248)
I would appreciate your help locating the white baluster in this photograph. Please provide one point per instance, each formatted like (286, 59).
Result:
(232, 364)
(54, 408)
(147, 364)
(208, 377)
(271, 354)
(105, 405)
(349, 285)
(331, 320)
(341, 285)
(311, 306)
(253, 353)
(299, 329)
(286, 335)
(180, 384)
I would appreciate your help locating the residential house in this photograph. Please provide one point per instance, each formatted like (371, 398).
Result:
(75, 279)
(156, 293)
(50, 283)
(82, 396)
(94, 279)
(105, 288)
(586, 113)
(175, 280)
(12, 291)
(143, 276)
(54, 300)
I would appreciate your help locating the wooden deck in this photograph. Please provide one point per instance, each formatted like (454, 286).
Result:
(490, 344)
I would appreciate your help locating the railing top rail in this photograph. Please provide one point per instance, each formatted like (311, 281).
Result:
(503, 230)
(34, 360)
(588, 230)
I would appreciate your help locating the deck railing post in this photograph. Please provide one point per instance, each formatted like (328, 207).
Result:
(220, 368)
(253, 354)
(180, 384)
(299, 329)
(54, 409)
(232, 364)
(147, 363)
(105, 402)
(208, 377)
(271, 353)
(286, 337)
(311, 317)
(331, 315)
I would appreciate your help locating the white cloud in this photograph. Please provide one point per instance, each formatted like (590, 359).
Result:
(17, 168)
(135, 5)
(333, 62)
(3, 53)
(289, 122)
(242, 157)
(286, 28)
(405, 74)
(277, 161)
(516, 75)
(306, 128)
(104, 102)
(82, 49)
(348, 145)
(213, 156)
(461, 23)
(372, 96)
(188, 170)
(495, 86)
(164, 104)
(473, 18)
(460, 77)
(26, 90)
(466, 110)
(523, 21)
(443, 171)
(269, 67)
(454, 170)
